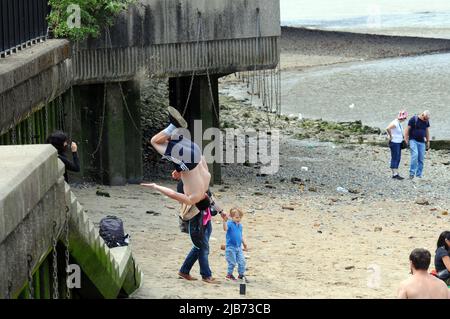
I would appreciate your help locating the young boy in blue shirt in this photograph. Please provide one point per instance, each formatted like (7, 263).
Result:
(234, 242)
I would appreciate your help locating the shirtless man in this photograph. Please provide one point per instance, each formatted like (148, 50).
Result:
(190, 165)
(422, 285)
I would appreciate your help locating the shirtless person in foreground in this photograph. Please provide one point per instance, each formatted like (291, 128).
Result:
(190, 165)
(422, 285)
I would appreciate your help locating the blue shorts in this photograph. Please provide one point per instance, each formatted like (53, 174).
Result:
(184, 153)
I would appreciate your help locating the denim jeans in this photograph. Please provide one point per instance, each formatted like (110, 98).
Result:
(235, 255)
(396, 154)
(417, 157)
(200, 250)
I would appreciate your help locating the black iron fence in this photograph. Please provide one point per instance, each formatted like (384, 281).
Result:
(22, 23)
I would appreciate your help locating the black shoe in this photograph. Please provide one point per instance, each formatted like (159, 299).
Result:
(240, 277)
(176, 118)
(398, 177)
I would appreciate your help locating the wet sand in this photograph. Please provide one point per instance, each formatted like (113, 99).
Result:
(342, 76)
(373, 91)
(424, 32)
(302, 47)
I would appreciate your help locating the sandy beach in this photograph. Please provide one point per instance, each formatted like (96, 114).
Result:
(321, 249)
(331, 223)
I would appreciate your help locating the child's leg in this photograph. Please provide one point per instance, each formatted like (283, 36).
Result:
(240, 262)
(230, 256)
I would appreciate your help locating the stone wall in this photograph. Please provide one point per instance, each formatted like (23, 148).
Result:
(31, 201)
(34, 205)
(154, 118)
(32, 78)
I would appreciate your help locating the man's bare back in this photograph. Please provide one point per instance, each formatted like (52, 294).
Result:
(196, 181)
(423, 286)
(191, 166)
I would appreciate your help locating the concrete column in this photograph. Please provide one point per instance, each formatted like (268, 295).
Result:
(208, 110)
(200, 107)
(83, 124)
(113, 139)
(108, 132)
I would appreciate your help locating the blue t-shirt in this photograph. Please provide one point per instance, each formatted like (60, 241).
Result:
(234, 234)
(418, 130)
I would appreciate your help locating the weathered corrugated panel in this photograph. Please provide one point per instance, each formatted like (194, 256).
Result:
(223, 56)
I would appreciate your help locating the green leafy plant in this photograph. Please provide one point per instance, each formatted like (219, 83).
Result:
(95, 15)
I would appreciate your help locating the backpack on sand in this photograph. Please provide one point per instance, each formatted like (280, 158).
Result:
(112, 232)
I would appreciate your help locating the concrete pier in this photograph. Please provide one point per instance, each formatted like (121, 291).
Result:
(31, 201)
(34, 205)
(175, 37)
(96, 78)
(108, 132)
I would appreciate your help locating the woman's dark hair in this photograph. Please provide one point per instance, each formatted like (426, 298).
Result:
(442, 237)
(57, 139)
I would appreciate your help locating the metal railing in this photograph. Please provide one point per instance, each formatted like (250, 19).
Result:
(22, 23)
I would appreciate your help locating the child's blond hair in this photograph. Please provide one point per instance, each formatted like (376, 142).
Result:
(234, 211)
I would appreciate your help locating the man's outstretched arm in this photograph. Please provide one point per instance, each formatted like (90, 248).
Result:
(182, 198)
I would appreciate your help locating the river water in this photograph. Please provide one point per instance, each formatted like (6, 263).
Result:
(356, 14)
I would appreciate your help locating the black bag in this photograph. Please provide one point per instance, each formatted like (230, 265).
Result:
(404, 145)
(184, 225)
(112, 232)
